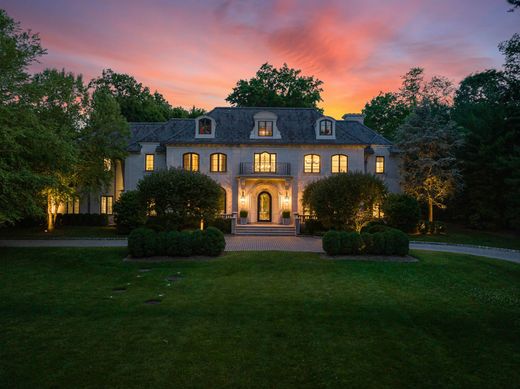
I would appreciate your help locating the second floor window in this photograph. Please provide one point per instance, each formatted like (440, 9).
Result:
(265, 163)
(380, 165)
(265, 128)
(190, 161)
(149, 162)
(339, 163)
(218, 163)
(204, 126)
(311, 163)
(106, 205)
(326, 127)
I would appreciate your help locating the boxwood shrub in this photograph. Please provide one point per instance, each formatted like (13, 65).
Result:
(388, 242)
(142, 242)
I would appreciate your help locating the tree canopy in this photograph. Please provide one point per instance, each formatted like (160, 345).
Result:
(273, 87)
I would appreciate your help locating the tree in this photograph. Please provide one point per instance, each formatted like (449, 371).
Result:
(514, 3)
(387, 111)
(344, 201)
(180, 198)
(272, 87)
(136, 101)
(429, 140)
(402, 212)
(103, 141)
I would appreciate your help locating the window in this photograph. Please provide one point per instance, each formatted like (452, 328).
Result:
(326, 127)
(218, 163)
(339, 163)
(204, 126)
(106, 204)
(107, 163)
(190, 161)
(73, 205)
(265, 128)
(149, 163)
(380, 165)
(311, 163)
(265, 163)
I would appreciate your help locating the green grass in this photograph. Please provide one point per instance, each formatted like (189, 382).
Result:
(459, 234)
(257, 320)
(60, 233)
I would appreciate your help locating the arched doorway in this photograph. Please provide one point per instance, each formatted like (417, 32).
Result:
(264, 207)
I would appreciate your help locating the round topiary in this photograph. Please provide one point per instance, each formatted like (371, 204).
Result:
(162, 243)
(185, 243)
(402, 212)
(351, 243)
(215, 242)
(378, 245)
(331, 242)
(368, 243)
(129, 212)
(198, 242)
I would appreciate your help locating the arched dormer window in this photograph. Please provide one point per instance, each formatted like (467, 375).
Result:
(204, 127)
(325, 128)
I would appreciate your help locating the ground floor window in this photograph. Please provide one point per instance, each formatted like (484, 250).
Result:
(106, 204)
(339, 163)
(190, 161)
(72, 206)
(380, 165)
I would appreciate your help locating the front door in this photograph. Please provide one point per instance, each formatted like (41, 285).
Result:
(264, 207)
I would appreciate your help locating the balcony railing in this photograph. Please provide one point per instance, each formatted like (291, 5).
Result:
(265, 168)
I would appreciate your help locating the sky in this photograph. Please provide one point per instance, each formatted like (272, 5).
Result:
(193, 52)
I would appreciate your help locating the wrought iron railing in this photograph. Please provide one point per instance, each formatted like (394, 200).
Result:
(279, 169)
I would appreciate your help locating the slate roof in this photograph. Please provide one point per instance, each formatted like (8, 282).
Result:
(234, 125)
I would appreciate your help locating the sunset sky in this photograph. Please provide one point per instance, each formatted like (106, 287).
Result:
(193, 52)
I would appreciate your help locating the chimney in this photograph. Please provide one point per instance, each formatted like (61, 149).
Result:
(354, 117)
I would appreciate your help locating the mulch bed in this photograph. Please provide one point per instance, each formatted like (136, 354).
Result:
(372, 258)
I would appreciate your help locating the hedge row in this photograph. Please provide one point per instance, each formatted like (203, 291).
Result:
(145, 242)
(81, 219)
(388, 242)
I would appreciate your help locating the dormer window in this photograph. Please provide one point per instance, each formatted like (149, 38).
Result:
(265, 128)
(326, 127)
(204, 127)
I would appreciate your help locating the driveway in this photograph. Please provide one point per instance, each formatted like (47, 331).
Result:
(274, 243)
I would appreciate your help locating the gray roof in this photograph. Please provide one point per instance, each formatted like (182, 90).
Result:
(234, 125)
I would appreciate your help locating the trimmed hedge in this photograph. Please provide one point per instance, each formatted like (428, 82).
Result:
(81, 219)
(388, 242)
(145, 242)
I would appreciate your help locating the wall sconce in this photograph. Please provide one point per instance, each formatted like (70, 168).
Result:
(242, 199)
(286, 199)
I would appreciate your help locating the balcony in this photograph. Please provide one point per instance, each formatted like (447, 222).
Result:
(265, 169)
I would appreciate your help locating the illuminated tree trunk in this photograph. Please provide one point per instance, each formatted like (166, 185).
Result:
(430, 210)
(50, 217)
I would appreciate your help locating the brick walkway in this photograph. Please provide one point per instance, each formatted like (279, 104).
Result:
(271, 243)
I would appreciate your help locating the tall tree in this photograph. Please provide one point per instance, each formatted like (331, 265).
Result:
(137, 103)
(385, 113)
(429, 140)
(272, 87)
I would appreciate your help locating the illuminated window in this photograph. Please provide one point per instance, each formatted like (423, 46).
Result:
(73, 205)
(222, 201)
(190, 161)
(326, 127)
(265, 162)
(380, 165)
(204, 126)
(106, 204)
(339, 163)
(107, 163)
(218, 163)
(311, 163)
(149, 162)
(265, 128)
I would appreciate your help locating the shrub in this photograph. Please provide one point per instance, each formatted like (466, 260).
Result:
(222, 224)
(402, 212)
(401, 242)
(243, 213)
(378, 243)
(368, 242)
(82, 219)
(350, 243)
(129, 212)
(436, 227)
(286, 214)
(312, 226)
(331, 243)
(372, 228)
(142, 242)
(173, 243)
(162, 243)
(198, 242)
(185, 244)
(214, 242)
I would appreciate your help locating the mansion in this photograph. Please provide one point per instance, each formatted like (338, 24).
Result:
(262, 157)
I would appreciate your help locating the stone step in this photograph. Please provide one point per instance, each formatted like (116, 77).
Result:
(265, 230)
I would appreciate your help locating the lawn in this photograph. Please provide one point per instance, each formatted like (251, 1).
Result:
(60, 233)
(257, 320)
(459, 234)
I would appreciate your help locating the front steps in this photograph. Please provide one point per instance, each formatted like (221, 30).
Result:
(265, 229)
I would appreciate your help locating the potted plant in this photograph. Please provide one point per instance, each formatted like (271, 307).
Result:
(243, 216)
(286, 217)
